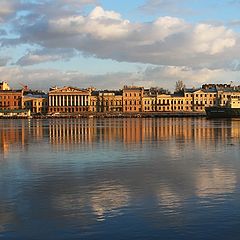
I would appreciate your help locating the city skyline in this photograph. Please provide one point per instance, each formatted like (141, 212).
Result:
(108, 44)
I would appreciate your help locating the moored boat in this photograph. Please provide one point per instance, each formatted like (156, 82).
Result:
(231, 110)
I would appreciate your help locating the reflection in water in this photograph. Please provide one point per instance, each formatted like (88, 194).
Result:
(215, 181)
(108, 199)
(169, 198)
(95, 178)
(74, 131)
(6, 217)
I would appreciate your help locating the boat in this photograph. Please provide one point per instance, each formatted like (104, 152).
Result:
(230, 110)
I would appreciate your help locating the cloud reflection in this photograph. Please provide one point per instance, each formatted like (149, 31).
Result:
(215, 181)
(109, 199)
(169, 198)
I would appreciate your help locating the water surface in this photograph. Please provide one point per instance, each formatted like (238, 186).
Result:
(169, 178)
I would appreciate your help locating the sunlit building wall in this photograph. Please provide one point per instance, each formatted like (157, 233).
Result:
(37, 105)
(132, 99)
(10, 99)
(69, 100)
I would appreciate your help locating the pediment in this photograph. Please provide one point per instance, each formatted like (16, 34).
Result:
(69, 90)
(199, 91)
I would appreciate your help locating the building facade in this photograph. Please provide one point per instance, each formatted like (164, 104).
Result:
(69, 100)
(36, 104)
(132, 98)
(10, 99)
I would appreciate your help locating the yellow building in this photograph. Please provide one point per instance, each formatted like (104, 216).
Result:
(178, 103)
(225, 95)
(132, 98)
(110, 101)
(4, 86)
(94, 103)
(37, 105)
(106, 101)
(203, 98)
(149, 103)
(164, 103)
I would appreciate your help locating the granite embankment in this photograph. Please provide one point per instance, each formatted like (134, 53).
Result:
(125, 115)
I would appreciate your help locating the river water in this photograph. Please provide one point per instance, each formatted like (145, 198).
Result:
(165, 178)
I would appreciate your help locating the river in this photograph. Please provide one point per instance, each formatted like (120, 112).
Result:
(156, 178)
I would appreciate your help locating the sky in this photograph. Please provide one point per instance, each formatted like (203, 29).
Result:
(108, 44)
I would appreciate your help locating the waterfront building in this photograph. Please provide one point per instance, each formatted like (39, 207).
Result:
(132, 98)
(94, 102)
(178, 103)
(164, 103)
(69, 100)
(203, 98)
(149, 100)
(149, 103)
(10, 99)
(106, 101)
(188, 95)
(225, 95)
(37, 104)
(4, 86)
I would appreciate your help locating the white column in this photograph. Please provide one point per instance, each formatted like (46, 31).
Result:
(60, 100)
(67, 100)
(75, 100)
(50, 101)
(56, 98)
(53, 102)
(82, 103)
(79, 100)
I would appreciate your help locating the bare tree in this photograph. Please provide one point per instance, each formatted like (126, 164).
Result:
(180, 86)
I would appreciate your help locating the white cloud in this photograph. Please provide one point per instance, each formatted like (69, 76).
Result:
(99, 24)
(195, 52)
(152, 76)
(213, 39)
(99, 13)
(165, 41)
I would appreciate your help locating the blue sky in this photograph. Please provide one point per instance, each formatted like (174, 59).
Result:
(108, 44)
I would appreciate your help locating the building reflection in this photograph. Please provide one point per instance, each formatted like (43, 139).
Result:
(136, 130)
(18, 134)
(11, 135)
(69, 132)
